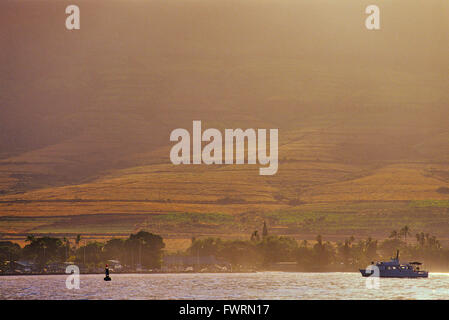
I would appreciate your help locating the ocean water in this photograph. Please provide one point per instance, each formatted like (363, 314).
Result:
(261, 285)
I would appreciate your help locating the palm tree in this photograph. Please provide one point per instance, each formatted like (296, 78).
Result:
(255, 236)
(44, 247)
(351, 240)
(394, 234)
(420, 238)
(265, 230)
(67, 247)
(78, 240)
(405, 231)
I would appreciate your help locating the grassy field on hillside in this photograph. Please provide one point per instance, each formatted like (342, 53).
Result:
(362, 118)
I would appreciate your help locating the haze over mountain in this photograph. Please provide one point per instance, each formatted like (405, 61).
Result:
(87, 114)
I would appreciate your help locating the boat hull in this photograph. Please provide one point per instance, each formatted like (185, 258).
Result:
(396, 274)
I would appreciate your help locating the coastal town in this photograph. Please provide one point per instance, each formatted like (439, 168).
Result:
(144, 252)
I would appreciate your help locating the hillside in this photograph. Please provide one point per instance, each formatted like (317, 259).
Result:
(85, 117)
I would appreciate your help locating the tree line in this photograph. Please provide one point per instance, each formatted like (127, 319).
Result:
(258, 252)
(142, 248)
(262, 252)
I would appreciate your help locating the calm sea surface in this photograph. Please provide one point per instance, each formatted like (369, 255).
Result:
(263, 285)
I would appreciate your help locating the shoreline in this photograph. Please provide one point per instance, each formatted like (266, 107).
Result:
(119, 273)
